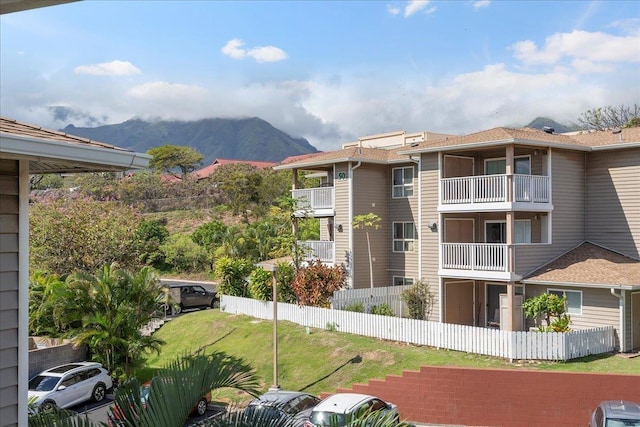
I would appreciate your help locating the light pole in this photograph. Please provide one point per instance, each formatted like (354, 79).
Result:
(274, 273)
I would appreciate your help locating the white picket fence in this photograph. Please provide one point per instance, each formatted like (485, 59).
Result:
(492, 342)
(368, 297)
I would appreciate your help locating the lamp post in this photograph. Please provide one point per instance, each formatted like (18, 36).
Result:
(275, 385)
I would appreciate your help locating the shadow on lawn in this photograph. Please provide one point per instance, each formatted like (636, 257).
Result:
(356, 359)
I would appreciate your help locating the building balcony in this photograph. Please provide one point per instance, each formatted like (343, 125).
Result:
(316, 202)
(324, 250)
(489, 193)
(475, 261)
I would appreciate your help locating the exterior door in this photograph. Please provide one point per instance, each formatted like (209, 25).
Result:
(459, 303)
(456, 166)
(459, 230)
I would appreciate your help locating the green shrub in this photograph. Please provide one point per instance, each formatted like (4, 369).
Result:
(284, 276)
(382, 310)
(419, 300)
(184, 255)
(260, 286)
(232, 273)
(358, 307)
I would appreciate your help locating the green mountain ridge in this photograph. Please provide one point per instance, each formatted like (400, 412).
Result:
(241, 139)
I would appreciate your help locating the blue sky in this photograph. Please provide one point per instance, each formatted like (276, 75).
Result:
(329, 71)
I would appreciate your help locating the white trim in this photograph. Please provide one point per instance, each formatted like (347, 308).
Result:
(98, 158)
(564, 291)
(350, 216)
(420, 241)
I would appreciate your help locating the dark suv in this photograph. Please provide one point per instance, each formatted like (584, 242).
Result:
(183, 296)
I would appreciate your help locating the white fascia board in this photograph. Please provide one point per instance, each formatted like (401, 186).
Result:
(327, 163)
(485, 144)
(581, 285)
(45, 149)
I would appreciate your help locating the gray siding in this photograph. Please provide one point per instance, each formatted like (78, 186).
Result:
(9, 219)
(371, 193)
(568, 216)
(429, 240)
(613, 200)
(404, 264)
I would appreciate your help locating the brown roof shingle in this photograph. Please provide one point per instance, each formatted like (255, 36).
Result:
(590, 264)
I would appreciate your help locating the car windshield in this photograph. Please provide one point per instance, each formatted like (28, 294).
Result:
(43, 383)
(615, 422)
(321, 418)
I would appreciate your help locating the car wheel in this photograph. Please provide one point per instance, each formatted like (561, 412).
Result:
(201, 407)
(48, 406)
(214, 303)
(99, 392)
(176, 309)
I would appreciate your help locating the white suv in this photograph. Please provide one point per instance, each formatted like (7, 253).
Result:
(337, 410)
(70, 384)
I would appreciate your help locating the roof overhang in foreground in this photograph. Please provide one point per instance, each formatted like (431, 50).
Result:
(51, 156)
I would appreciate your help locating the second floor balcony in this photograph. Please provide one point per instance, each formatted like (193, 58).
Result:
(315, 202)
(495, 193)
(318, 249)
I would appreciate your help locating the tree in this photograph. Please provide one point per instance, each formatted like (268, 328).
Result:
(148, 239)
(552, 308)
(83, 234)
(169, 158)
(419, 300)
(609, 117)
(315, 284)
(367, 222)
(239, 183)
(232, 273)
(183, 254)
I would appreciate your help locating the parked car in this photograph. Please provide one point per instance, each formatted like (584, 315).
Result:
(281, 406)
(184, 296)
(70, 384)
(336, 410)
(199, 409)
(616, 413)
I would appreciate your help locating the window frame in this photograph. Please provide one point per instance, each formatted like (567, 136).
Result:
(405, 281)
(515, 159)
(564, 292)
(406, 242)
(404, 186)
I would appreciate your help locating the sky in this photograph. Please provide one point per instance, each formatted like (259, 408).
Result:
(328, 71)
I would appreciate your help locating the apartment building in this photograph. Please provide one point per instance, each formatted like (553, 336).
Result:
(488, 219)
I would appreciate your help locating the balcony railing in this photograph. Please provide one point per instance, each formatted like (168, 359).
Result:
(314, 198)
(493, 189)
(475, 256)
(318, 249)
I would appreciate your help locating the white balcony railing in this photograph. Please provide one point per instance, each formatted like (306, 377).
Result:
(493, 189)
(314, 198)
(318, 249)
(474, 256)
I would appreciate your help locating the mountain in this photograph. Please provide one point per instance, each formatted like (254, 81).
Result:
(241, 139)
(541, 122)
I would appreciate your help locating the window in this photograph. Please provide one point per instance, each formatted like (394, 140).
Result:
(403, 236)
(402, 182)
(574, 299)
(402, 281)
(496, 231)
(521, 165)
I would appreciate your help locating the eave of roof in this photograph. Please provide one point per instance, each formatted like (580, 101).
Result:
(58, 151)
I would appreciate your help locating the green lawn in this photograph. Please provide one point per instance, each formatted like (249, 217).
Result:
(323, 360)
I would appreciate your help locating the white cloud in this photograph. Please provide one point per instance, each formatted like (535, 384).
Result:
(579, 45)
(481, 3)
(113, 68)
(393, 9)
(415, 6)
(234, 49)
(629, 26)
(158, 91)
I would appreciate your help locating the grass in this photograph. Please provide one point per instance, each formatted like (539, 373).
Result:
(322, 361)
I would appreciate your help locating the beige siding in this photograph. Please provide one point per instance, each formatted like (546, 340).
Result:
(9, 210)
(613, 200)
(371, 193)
(568, 216)
(403, 264)
(342, 248)
(429, 240)
(599, 307)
